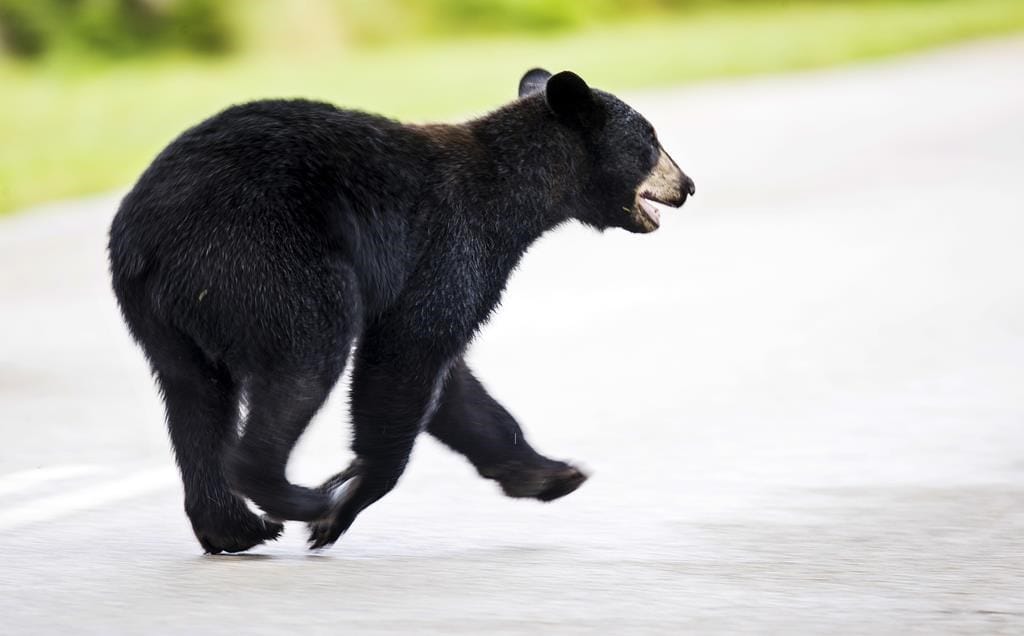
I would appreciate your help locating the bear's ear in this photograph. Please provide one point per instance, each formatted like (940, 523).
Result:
(569, 97)
(533, 81)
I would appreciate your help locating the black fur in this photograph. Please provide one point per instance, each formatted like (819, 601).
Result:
(263, 244)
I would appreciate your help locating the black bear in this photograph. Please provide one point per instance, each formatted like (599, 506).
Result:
(270, 243)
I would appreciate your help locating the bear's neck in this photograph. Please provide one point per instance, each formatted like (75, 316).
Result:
(507, 177)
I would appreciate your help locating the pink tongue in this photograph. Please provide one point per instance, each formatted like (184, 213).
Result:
(650, 210)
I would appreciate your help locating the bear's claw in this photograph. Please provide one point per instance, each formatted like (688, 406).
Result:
(562, 483)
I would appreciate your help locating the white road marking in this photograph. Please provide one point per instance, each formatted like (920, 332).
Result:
(27, 479)
(95, 496)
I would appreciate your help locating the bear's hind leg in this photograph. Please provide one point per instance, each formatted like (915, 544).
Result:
(281, 403)
(474, 424)
(202, 414)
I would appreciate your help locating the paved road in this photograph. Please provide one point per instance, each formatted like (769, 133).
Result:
(801, 400)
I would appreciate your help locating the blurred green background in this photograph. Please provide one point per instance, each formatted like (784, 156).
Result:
(90, 90)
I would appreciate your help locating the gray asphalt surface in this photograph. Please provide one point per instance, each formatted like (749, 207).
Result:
(801, 401)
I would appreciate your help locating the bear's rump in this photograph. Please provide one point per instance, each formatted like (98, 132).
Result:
(258, 309)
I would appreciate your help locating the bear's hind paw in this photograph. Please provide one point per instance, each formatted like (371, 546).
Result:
(240, 536)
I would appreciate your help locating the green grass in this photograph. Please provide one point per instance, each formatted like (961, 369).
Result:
(67, 130)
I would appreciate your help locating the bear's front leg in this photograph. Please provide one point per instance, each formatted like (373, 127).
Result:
(474, 424)
(393, 397)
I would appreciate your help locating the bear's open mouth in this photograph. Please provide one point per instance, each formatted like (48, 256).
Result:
(665, 185)
(649, 211)
(646, 210)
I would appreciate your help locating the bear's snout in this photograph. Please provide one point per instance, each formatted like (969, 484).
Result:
(666, 183)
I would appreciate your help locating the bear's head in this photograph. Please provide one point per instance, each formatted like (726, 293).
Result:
(626, 168)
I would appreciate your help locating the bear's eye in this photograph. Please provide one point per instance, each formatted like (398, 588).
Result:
(653, 148)
(653, 154)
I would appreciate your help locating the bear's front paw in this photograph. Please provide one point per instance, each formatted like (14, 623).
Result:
(341, 488)
(230, 526)
(545, 480)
